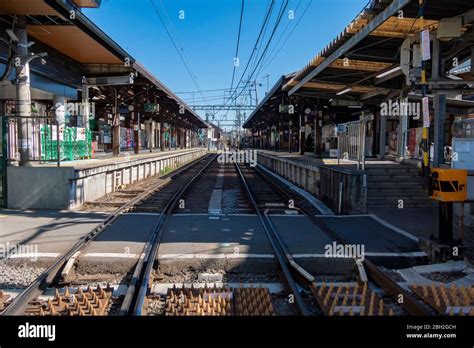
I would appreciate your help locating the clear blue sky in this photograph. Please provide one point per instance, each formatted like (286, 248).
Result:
(207, 38)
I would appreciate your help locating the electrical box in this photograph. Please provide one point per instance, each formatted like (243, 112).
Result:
(449, 28)
(449, 185)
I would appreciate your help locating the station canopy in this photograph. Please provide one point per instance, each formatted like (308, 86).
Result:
(362, 65)
(62, 26)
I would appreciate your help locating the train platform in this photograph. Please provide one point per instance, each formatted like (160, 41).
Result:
(31, 241)
(51, 232)
(106, 159)
(309, 158)
(387, 183)
(231, 242)
(45, 186)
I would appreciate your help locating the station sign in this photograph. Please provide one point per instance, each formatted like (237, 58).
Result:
(341, 128)
(150, 107)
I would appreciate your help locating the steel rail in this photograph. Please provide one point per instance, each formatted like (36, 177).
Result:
(36, 288)
(280, 253)
(136, 299)
(410, 303)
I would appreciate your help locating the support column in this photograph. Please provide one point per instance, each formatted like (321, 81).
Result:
(162, 137)
(86, 106)
(403, 129)
(116, 126)
(280, 136)
(318, 133)
(382, 134)
(439, 109)
(170, 137)
(23, 95)
(149, 135)
(290, 135)
(303, 135)
(136, 135)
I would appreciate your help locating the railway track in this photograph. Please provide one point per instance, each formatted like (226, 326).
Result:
(138, 293)
(139, 287)
(49, 279)
(347, 300)
(266, 197)
(256, 194)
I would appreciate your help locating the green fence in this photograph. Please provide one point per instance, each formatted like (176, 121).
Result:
(74, 143)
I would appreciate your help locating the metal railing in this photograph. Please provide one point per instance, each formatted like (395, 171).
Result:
(351, 142)
(343, 190)
(41, 139)
(33, 139)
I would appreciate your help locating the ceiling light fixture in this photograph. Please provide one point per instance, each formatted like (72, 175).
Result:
(347, 90)
(388, 72)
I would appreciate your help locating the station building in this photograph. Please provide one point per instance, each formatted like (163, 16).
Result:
(395, 87)
(70, 95)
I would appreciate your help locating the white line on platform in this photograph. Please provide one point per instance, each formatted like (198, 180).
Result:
(33, 255)
(394, 228)
(162, 288)
(215, 256)
(344, 216)
(149, 214)
(113, 255)
(289, 215)
(374, 254)
(213, 215)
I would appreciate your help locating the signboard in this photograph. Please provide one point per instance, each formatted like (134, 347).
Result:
(333, 153)
(150, 107)
(425, 45)
(81, 134)
(426, 112)
(342, 128)
(54, 133)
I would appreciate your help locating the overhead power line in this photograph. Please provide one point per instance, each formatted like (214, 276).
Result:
(253, 52)
(238, 43)
(273, 56)
(179, 51)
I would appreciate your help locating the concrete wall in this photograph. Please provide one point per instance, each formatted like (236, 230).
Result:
(37, 188)
(68, 188)
(323, 182)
